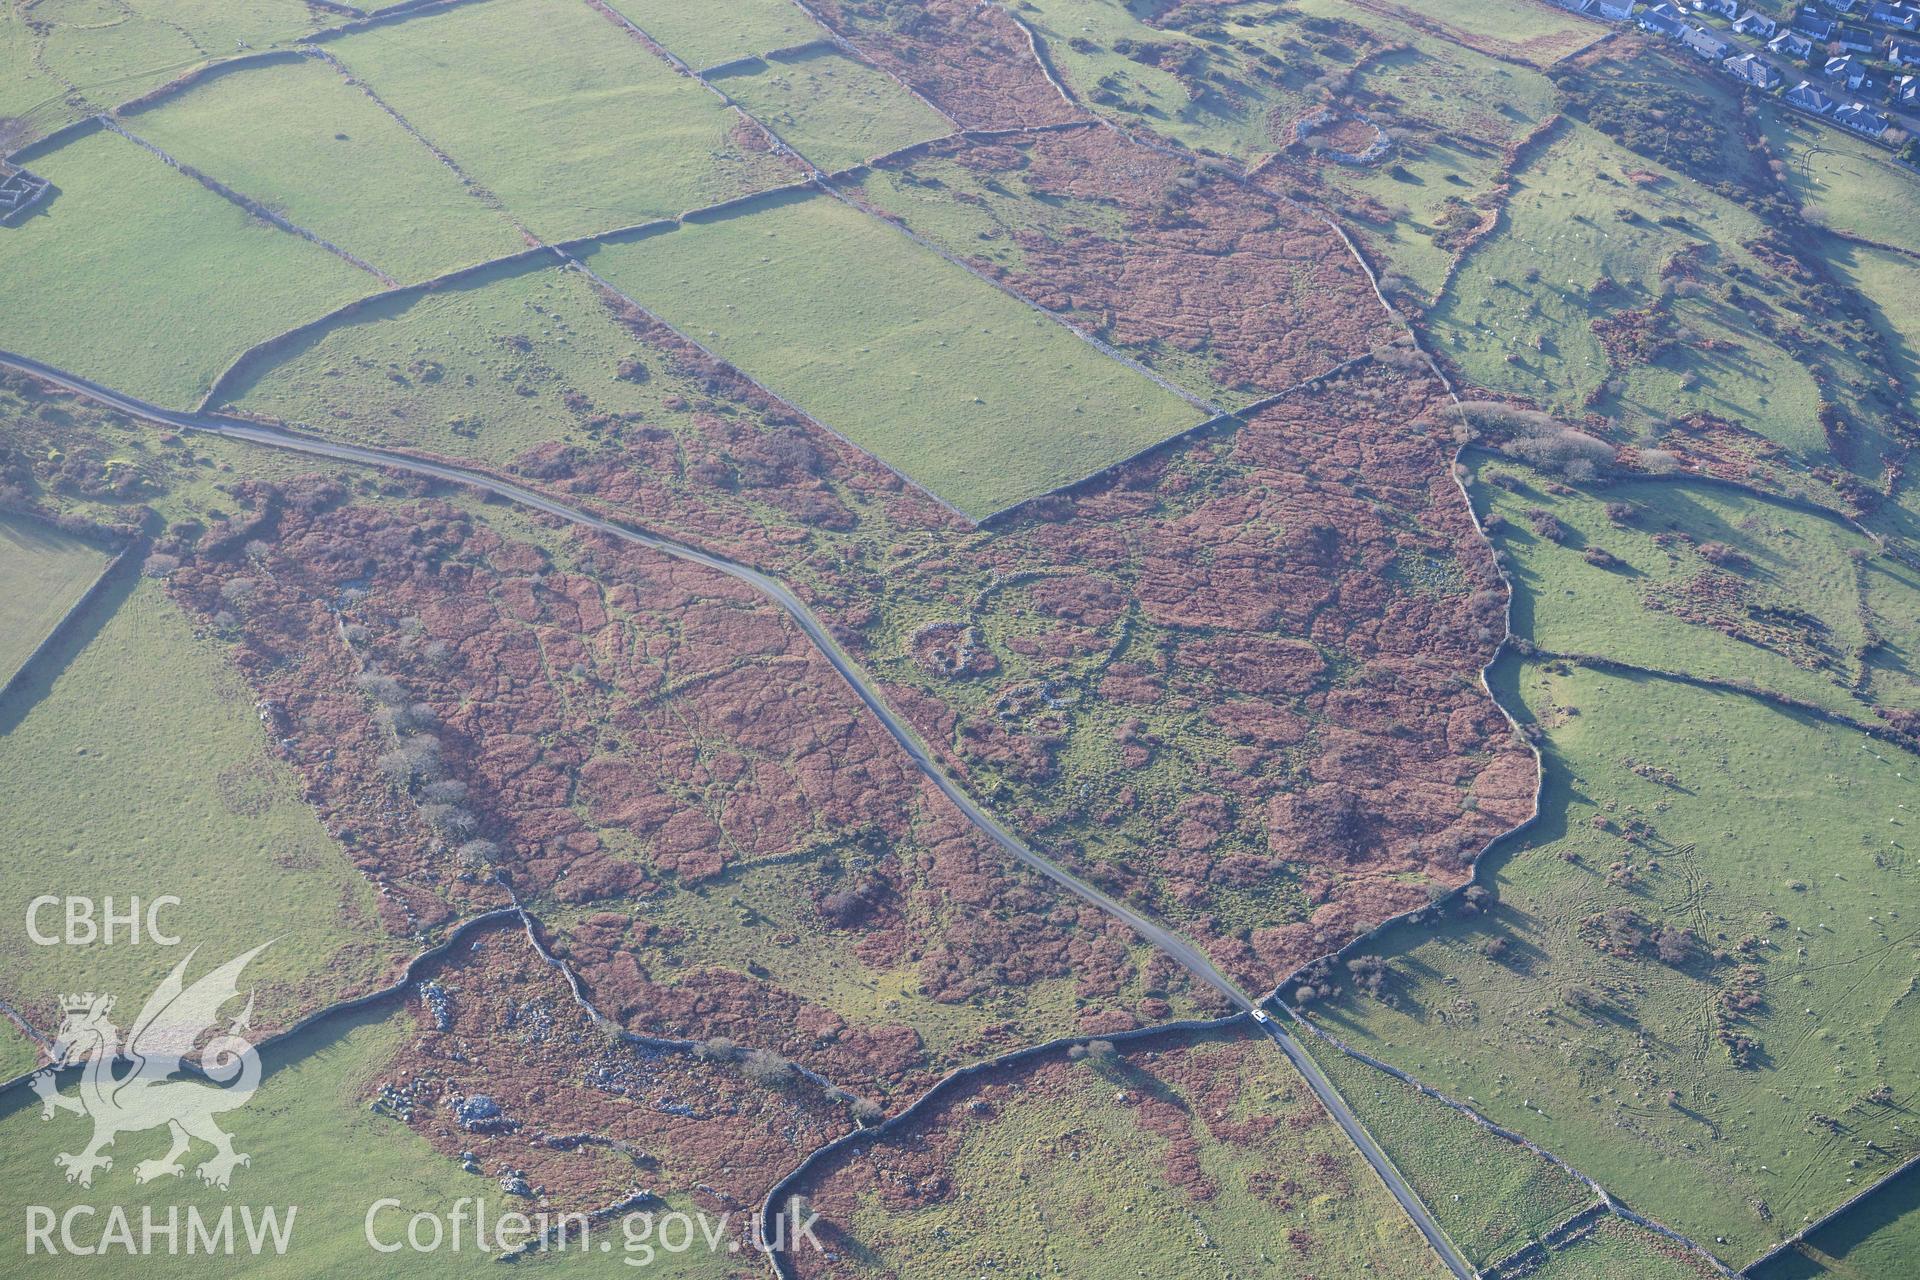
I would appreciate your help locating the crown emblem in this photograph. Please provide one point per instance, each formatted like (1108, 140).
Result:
(77, 1004)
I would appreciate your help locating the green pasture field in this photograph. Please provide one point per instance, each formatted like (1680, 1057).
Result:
(1447, 85)
(17, 1053)
(1805, 596)
(481, 369)
(218, 27)
(1893, 664)
(63, 59)
(1785, 845)
(304, 142)
(309, 1111)
(1519, 315)
(141, 768)
(1416, 190)
(1889, 282)
(1616, 1248)
(1063, 1179)
(138, 277)
(980, 399)
(1233, 110)
(1845, 182)
(1877, 1239)
(42, 572)
(834, 111)
(1537, 33)
(982, 225)
(982, 217)
(1490, 1195)
(1457, 111)
(575, 124)
(89, 49)
(1850, 186)
(709, 34)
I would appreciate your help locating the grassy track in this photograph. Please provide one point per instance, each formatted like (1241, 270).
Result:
(977, 397)
(304, 142)
(143, 770)
(709, 34)
(833, 110)
(138, 275)
(42, 572)
(576, 125)
(1735, 821)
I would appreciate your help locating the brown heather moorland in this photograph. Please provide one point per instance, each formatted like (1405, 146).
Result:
(610, 736)
(585, 1117)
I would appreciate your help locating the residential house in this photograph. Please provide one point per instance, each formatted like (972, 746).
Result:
(1905, 92)
(1705, 45)
(1849, 71)
(1808, 98)
(1617, 10)
(1756, 24)
(1791, 44)
(1857, 39)
(1897, 16)
(1843, 7)
(1858, 118)
(1725, 8)
(1662, 19)
(1903, 54)
(1815, 25)
(1754, 70)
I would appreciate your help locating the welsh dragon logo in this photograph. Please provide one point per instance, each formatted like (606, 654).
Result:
(156, 1088)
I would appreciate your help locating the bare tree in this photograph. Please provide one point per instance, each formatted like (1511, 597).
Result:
(765, 1067)
(716, 1049)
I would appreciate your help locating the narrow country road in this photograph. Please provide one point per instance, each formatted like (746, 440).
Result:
(1189, 956)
